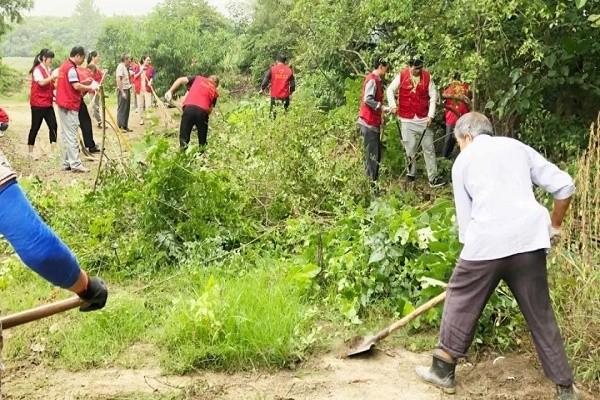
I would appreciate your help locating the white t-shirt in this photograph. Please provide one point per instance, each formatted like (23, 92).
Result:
(37, 74)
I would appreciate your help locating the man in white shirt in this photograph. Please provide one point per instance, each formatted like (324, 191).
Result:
(506, 234)
(123, 92)
(417, 97)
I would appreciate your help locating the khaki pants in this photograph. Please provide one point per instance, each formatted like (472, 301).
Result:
(144, 101)
(69, 124)
(411, 134)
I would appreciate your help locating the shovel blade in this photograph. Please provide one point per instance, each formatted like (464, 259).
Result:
(363, 347)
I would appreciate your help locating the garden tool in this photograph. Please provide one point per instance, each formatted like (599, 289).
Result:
(23, 317)
(12, 320)
(367, 343)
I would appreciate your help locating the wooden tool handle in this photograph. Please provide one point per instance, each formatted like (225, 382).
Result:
(418, 311)
(40, 312)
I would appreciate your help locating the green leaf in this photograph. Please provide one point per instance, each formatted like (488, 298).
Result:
(377, 256)
(580, 3)
(550, 60)
(594, 18)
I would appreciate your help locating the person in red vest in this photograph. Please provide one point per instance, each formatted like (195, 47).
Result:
(41, 98)
(456, 102)
(283, 84)
(85, 121)
(142, 78)
(371, 115)
(3, 121)
(93, 64)
(134, 68)
(417, 97)
(198, 104)
(70, 89)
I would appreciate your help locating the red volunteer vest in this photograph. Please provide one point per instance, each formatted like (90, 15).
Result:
(280, 81)
(97, 76)
(202, 94)
(3, 115)
(135, 81)
(456, 89)
(41, 96)
(413, 101)
(370, 116)
(66, 95)
(149, 73)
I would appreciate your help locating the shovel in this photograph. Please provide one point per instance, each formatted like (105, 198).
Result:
(23, 317)
(367, 344)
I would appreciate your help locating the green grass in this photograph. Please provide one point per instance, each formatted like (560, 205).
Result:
(21, 64)
(236, 322)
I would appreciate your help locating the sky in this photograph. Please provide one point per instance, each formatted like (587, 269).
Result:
(65, 8)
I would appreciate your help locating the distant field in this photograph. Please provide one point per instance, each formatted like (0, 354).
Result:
(21, 64)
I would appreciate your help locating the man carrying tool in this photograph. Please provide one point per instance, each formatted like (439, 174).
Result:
(283, 84)
(70, 88)
(198, 104)
(457, 102)
(39, 247)
(371, 115)
(506, 234)
(417, 97)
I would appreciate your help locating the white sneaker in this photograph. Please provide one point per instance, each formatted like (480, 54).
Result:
(142, 122)
(33, 157)
(80, 168)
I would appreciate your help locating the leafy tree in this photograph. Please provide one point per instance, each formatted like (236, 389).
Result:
(10, 12)
(88, 22)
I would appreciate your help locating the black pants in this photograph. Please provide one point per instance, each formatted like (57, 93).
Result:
(470, 287)
(123, 106)
(85, 123)
(449, 141)
(372, 151)
(193, 117)
(39, 114)
(285, 102)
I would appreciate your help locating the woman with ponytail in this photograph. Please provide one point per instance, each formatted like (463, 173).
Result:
(42, 92)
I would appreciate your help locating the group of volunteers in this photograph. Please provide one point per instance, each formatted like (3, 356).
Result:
(505, 232)
(411, 96)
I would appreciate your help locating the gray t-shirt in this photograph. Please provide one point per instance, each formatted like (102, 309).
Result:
(123, 71)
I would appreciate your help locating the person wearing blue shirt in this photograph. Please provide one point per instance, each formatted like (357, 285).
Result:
(506, 234)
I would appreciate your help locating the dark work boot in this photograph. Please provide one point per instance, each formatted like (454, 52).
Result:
(440, 374)
(566, 393)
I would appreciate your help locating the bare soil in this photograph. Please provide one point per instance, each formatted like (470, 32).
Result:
(380, 375)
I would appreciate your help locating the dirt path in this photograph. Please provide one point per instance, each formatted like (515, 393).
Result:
(382, 376)
(48, 164)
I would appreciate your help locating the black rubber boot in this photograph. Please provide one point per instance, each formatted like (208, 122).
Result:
(566, 393)
(440, 374)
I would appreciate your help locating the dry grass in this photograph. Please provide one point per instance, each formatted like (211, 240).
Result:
(577, 282)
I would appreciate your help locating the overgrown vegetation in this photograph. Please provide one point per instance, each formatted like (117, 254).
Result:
(243, 255)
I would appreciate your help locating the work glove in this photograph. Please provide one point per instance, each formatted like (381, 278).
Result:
(94, 85)
(168, 96)
(94, 295)
(555, 234)
(55, 73)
